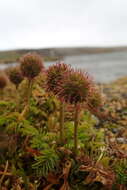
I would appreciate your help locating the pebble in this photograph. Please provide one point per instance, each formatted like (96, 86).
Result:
(115, 130)
(121, 140)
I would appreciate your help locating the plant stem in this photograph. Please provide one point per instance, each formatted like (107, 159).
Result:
(2, 94)
(62, 122)
(17, 98)
(4, 173)
(30, 85)
(27, 106)
(16, 86)
(76, 120)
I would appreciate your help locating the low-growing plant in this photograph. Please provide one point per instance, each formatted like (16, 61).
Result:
(55, 77)
(75, 89)
(45, 163)
(66, 101)
(121, 171)
(15, 76)
(3, 83)
(31, 66)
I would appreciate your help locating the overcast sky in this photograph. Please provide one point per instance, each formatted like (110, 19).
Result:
(52, 23)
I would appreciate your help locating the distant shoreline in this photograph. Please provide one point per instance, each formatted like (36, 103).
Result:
(53, 54)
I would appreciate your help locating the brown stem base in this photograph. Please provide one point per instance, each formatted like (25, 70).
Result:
(76, 120)
(62, 122)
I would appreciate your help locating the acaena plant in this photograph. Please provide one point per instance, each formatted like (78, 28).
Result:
(95, 102)
(15, 76)
(3, 83)
(75, 89)
(55, 75)
(31, 65)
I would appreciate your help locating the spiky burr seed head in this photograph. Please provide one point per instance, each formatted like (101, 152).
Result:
(31, 65)
(75, 87)
(15, 75)
(55, 75)
(95, 100)
(3, 81)
(95, 104)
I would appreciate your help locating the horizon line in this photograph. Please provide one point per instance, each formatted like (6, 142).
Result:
(60, 47)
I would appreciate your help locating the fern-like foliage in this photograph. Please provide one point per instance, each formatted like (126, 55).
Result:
(121, 172)
(46, 162)
(9, 119)
(6, 107)
(43, 140)
(25, 128)
(89, 138)
(13, 125)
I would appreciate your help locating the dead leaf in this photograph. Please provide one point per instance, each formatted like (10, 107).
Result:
(65, 175)
(52, 179)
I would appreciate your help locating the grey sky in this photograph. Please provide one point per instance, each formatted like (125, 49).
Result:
(51, 23)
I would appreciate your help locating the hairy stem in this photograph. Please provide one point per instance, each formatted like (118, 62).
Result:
(62, 122)
(76, 120)
(4, 173)
(2, 94)
(17, 98)
(27, 106)
(30, 85)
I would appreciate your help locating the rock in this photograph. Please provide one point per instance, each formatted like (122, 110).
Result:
(121, 140)
(124, 95)
(115, 130)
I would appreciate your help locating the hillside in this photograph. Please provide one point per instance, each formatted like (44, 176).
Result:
(52, 54)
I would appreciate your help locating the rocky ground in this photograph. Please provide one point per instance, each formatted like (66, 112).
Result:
(105, 147)
(116, 104)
